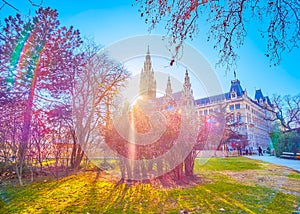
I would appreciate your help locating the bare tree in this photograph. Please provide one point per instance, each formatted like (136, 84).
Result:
(286, 110)
(9, 4)
(11, 122)
(92, 97)
(279, 23)
(219, 129)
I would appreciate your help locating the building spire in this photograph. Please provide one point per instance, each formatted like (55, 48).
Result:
(169, 88)
(187, 83)
(187, 95)
(168, 98)
(147, 80)
(147, 63)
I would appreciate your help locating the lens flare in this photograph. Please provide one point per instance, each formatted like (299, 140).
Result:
(25, 60)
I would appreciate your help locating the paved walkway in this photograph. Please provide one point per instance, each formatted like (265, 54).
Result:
(293, 164)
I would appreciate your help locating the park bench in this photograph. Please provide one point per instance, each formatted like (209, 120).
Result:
(289, 155)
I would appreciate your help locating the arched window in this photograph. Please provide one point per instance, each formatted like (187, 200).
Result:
(233, 94)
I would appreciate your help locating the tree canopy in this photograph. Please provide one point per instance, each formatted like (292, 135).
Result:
(38, 64)
(229, 22)
(54, 89)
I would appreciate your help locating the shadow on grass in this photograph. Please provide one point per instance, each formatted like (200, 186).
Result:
(97, 192)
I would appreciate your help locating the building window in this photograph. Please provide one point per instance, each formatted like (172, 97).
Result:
(231, 107)
(233, 94)
(237, 106)
(249, 118)
(205, 111)
(230, 118)
(211, 111)
(239, 117)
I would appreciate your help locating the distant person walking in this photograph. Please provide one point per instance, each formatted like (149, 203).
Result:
(260, 151)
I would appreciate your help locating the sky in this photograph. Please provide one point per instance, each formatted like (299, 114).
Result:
(109, 22)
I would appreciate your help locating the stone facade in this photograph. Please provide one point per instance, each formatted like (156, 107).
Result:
(249, 114)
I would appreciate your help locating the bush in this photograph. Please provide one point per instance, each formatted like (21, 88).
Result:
(285, 142)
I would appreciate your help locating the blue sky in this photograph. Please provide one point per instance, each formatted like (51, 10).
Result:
(111, 21)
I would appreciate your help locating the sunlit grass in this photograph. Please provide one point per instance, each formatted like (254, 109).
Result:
(48, 162)
(295, 175)
(229, 163)
(91, 192)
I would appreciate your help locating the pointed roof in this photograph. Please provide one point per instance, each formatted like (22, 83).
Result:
(258, 95)
(187, 92)
(169, 87)
(147, 78)
(236, 86)
(187, 78)
(148, 57)
(268, 101)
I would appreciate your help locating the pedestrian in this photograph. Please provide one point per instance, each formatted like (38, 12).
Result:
(260, 151)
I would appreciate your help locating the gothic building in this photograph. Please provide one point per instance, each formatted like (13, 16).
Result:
(147, 80)
(248, 113)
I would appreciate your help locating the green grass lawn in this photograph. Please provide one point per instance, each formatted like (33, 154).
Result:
(220, 191)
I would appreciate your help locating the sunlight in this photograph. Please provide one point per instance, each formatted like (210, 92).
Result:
(131, 151)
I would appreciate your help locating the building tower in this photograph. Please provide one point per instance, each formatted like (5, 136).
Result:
(147, 80)
(236, 89)
(169, 101)
(169, 88)
(187, 98)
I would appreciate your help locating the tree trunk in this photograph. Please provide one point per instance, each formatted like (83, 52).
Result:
(189, 164)
(150, 166)
(23, 147)
(128, 166)
(79, 157)
(76, 156)
(136, 170)
(143, 169)
(39, 156)
(77, 153)
(19, 170)
(159, 167)
(178, 172)
(122, 167)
